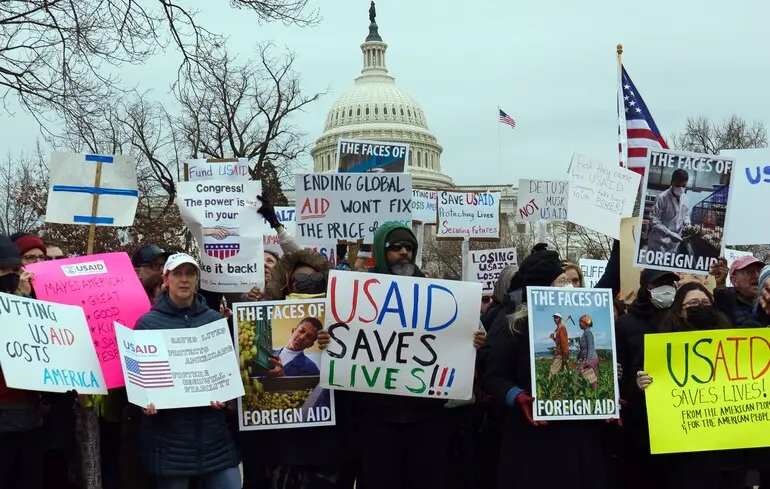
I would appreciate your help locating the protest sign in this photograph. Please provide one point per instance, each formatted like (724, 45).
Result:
(359, 156)
(424, 206)
(74, 181)
(222, 215)
(179, 368)
(684, 200)
(542, 200)
(749, 191)
(280, 365)
(484, 266)
(468, 215)
(106, 287)
(572, 354)
(400, 335)
(350, 206)
(232, 169)
(286, 216)
(600, 195)
(710, 390)
(46, 347)
(592, 271)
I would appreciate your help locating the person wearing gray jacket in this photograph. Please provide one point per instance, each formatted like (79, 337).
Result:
(179, 445)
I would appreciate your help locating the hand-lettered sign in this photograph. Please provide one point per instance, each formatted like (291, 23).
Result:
(400, 335)
(203, 169)
(73, 184)
(350, 206)
(484, 266)
(468, 215)
(424, 206)
(750, 190)
(46, 347)
(359, 156)
(179, 368)
(592, 271)
(542, 200)
(711, 390)
(108, 290)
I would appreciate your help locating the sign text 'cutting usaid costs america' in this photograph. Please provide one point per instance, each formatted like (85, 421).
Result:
(400, 335)
(684, 208)
(350, 206)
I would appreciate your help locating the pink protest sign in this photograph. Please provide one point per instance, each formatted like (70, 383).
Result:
(107, 288)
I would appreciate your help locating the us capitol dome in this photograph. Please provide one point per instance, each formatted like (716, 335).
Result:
(376, 109)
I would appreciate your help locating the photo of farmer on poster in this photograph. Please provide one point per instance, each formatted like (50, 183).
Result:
(683, 211)
(572, 352)
(280, 365)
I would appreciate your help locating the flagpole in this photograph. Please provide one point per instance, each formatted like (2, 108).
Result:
(499, 148)
(622, 126)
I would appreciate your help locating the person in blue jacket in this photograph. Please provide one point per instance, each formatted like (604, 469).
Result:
(292, 358)
(181, 445)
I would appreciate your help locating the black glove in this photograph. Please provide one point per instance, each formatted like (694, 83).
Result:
(268, 212)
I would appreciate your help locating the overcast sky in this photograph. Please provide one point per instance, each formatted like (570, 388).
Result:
(551, 65)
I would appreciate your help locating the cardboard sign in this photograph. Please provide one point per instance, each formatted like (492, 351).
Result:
(333, 207)
(280, 365)
(750, 190)
(106, 287)
(204, 169)
(572, 354)
(73, 185)
(424, 206)
(179, 368)
(468, 215)
(400, 335)
(484, 266)
(542, 200)
(592, 271)
(46, 347)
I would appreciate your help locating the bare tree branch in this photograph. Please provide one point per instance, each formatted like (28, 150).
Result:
(701, 135)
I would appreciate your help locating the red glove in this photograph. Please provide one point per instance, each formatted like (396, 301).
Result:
(525, 401)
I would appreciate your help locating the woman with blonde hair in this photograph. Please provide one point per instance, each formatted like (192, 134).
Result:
(575, 275)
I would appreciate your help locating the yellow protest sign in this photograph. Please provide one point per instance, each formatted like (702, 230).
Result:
(709, 390)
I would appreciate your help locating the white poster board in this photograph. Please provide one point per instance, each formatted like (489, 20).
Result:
(47, 347)
(544, 200)
(468, 215)
(600, 194)
(203, 169)
(349, 206)
(592, 271)
(749, 191)
(400, 335)
(179, 368)
(424, 206)
(222, 215)
(484, 266)
(71, 189)
(287, 217)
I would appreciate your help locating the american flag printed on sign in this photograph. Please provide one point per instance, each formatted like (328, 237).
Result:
(149, 375)
(222, 251)
(641, 131)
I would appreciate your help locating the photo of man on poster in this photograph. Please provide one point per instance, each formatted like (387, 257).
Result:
(291, 361)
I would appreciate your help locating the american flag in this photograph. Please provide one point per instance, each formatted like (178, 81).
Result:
(641, 131)
(506, 119)
(222, 251)
(149, 375)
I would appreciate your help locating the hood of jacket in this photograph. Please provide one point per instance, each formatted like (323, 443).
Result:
(162, 303)
(381, 237)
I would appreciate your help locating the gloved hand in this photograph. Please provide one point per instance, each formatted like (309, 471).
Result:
(525, 401)
(268, 212)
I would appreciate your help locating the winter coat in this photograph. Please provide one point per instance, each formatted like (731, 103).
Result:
(739, 311)
(184, 442)
(573, 450)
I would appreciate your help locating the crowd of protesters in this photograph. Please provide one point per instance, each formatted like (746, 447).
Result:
(382, 441)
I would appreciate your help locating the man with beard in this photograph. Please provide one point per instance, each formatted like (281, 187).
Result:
(404, 441)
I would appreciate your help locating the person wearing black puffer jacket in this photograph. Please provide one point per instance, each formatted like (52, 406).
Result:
(178, 445)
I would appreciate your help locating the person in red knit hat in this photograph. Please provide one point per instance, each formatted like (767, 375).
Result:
(32, 250)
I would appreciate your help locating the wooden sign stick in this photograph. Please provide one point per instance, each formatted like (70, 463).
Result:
(94, 210)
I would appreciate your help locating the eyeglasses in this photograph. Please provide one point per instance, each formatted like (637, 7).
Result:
(304, 277)
(398, 246)
(50, 258)
(696, 303)
(152, 266)
(33, 258)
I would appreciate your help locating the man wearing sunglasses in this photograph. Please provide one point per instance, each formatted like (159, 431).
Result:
(148, 261)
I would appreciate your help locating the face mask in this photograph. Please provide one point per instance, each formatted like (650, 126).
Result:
(678, 191)
(9, 283)
(701, 317)
(567, 286)
(662, 297)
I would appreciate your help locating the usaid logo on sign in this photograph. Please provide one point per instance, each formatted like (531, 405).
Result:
(89, 268)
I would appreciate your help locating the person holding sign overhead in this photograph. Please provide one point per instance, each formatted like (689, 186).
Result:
(178, 445)
(21, 449)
